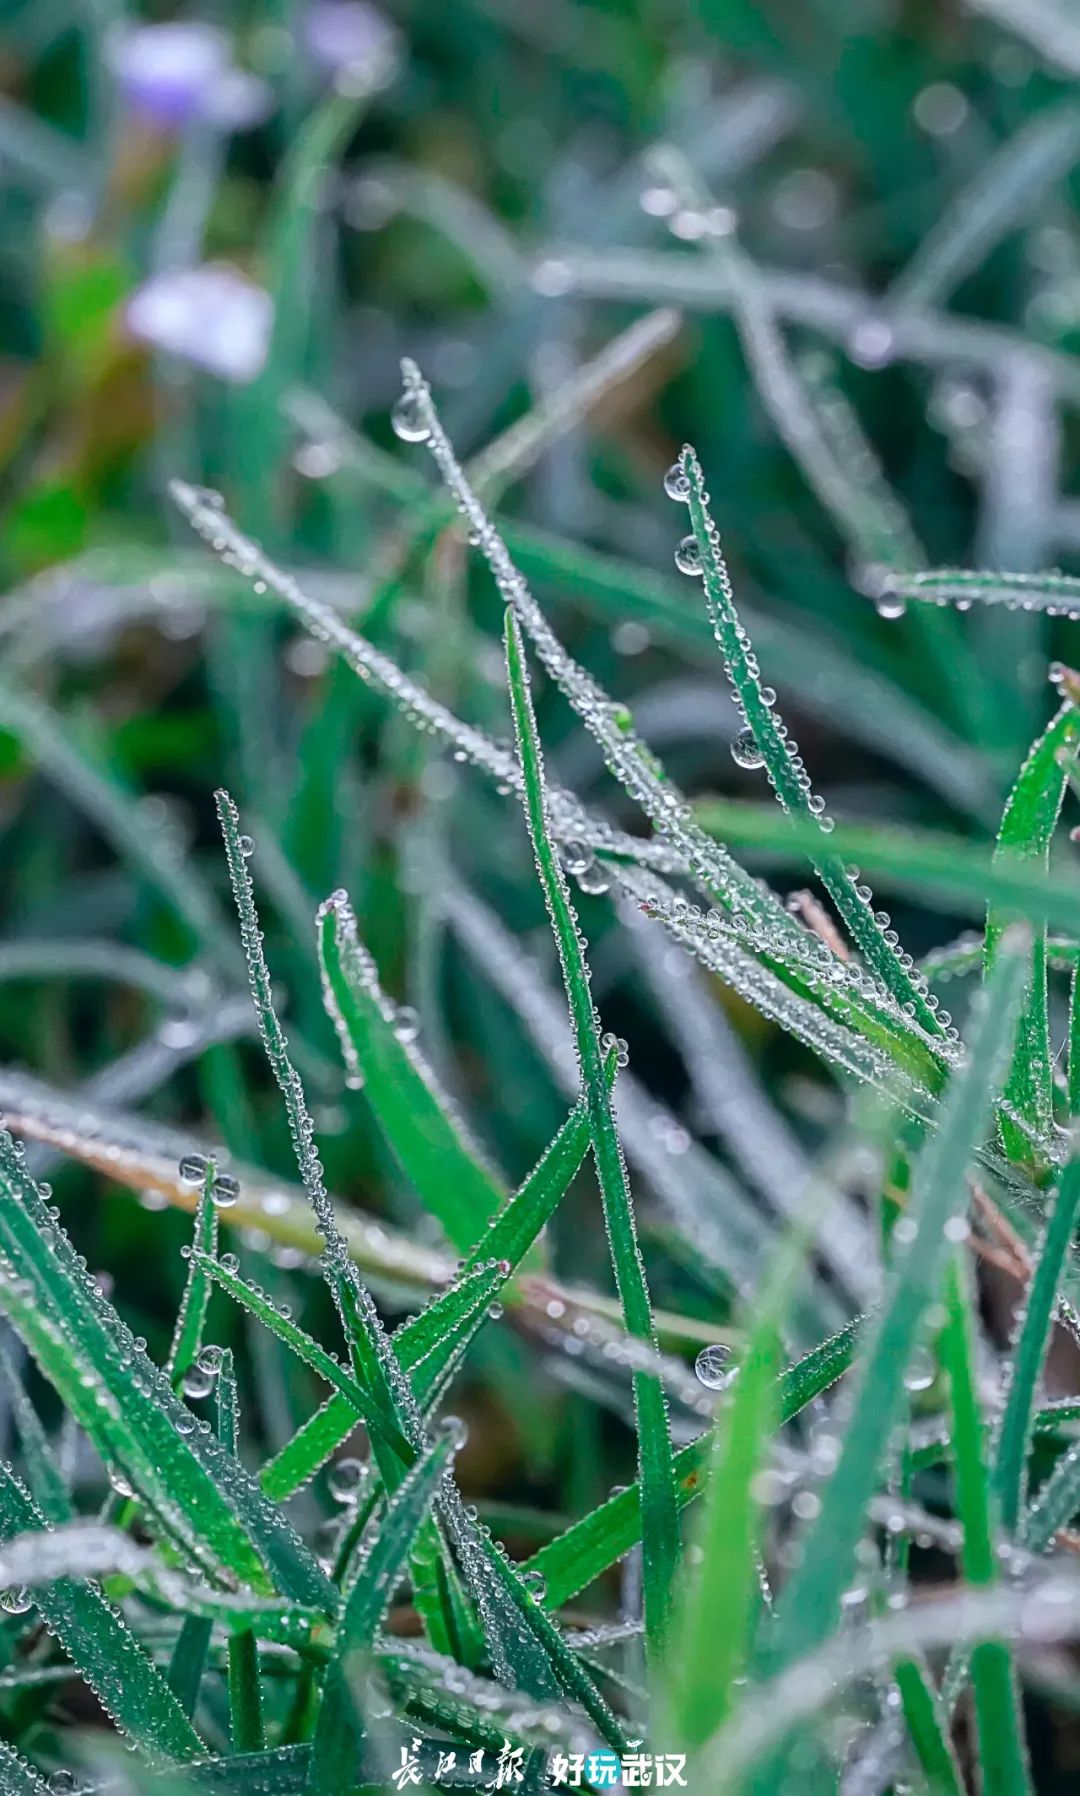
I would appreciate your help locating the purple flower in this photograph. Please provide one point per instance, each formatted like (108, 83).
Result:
(351, 38)
(173, 74)
(212, 317)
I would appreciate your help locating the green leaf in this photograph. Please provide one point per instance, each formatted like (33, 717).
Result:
(1029, 1354)
(413, 1114)
(656, 1471)
(337, 1742)
(811, 1599)
(1002, 1761)
(102, 1646)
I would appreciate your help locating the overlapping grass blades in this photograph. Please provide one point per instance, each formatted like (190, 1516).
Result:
(660, 1539)
(936, 1209)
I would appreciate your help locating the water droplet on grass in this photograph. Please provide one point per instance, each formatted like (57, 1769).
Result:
(711, 1366)
(745, 751)
(192, 1169)
(677, 484)
(409, 420)
(688, 556)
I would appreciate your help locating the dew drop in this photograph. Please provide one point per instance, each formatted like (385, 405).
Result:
(15, 1601)
(455, 1431)
(890, 605)
(192, 1169)
(688, 556)
(344, 1479)
(576, 856)
(197, 1383)
(246, 846)
(745, 751)
(224, 1191)
(921, 1370)
(593, 878)
(711, 1366)
(406, 1023)
(409, 419)
(677, 484)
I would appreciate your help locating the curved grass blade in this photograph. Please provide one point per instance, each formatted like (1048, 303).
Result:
(338, 1738)
(1025, 1367)
(99, 1642)
(1058, 595)
(1002, 1757)
(414, 1115)
(785, 769)
(930, 864)
(655, 1462)
(1027, 827)
(811, 1599)
(571, 1562)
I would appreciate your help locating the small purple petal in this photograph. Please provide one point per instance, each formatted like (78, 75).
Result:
(350, 35)
(172, 74)
(167, 71)
(212, 317)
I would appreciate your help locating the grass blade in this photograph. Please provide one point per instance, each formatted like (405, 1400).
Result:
(785, 769)
(811, 1599)
(1026, 830)
(413, 1114)
(570, 1563)
(1025, 1367)
(999, 1725)
(337, 1742)
(97, 1640)
(660, 1532)
(191, 1317)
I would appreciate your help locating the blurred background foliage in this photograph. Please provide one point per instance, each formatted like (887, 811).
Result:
(219, 231)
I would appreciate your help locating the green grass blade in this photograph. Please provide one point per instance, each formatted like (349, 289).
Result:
(245, 1694)
(1027, 827)
(929, 864)
(191, 1317)
(338, 1735)
(784, 767)
(43, 1475)
(569, 1563)
(1029, 1354)
(437, 1330)
(202, 1497)
(17, 1775)
(413, 1114)
(1058, 594)
(315, 1441)
(364, 1406)
(711, 1632)
(928, 1727)
(811, 1600)
(655, 1460)
(102, 1646)
(188, 1661)
(999, 1724)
